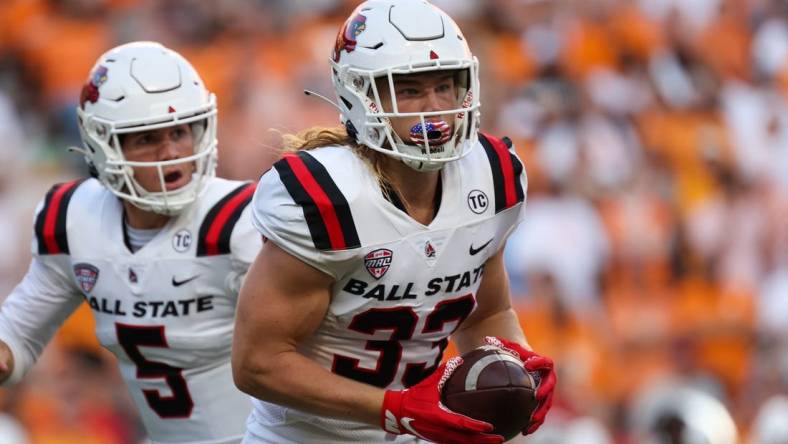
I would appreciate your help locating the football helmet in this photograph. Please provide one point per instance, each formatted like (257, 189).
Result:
(144, 86)
(384, 39)
(671, 412)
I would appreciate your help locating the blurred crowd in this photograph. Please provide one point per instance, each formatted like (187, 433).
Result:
(652, 265)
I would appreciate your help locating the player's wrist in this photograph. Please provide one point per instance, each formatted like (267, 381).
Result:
(390, 411)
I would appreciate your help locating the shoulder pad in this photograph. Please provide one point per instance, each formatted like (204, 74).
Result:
(217, 227)
(50, 224)
(506, 171)
(325, 208)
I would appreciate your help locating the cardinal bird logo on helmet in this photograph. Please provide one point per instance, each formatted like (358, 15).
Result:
(346, 39)
(90, 92)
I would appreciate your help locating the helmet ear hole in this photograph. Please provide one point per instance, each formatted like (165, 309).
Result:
(351, 130)
(198, 130)
(92, 170)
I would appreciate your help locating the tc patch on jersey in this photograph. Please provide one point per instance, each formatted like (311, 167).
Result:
(182, 241)
(86, 275)
(378, 262)
(478, 201)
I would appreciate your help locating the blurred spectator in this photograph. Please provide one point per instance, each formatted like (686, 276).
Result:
(676, 414)
(770, 43)
(770, 426)
(73, 399)
(694, 15)
(11, 432)
(580, 430)
(563, 236)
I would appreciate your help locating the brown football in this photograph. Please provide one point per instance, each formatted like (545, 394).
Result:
(491, 385)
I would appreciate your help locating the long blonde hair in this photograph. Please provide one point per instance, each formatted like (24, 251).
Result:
(320, 136)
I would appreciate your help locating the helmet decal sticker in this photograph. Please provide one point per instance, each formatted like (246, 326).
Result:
(346, 39)
(90, 92)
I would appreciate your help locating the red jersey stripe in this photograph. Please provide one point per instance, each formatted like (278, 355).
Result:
(321, 199)
(51, 217)
(212, 238)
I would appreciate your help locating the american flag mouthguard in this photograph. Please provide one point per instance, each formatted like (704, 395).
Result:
(438, 132)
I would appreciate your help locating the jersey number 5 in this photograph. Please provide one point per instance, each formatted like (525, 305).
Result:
(131, 338)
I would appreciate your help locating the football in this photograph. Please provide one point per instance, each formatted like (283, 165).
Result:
(491, 385)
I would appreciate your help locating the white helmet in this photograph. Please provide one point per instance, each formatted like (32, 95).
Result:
(143, 86)
(667, 411)
(385, 38)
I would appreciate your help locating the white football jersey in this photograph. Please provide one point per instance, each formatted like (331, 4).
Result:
(165, 311)
(401, 288)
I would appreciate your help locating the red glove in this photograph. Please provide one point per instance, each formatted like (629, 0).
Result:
(418, 411)
(543, 366)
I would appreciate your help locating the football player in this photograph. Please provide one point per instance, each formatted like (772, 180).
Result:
(383, 239)
(154, 242)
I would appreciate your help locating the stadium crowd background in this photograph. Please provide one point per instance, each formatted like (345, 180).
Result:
(653, 263)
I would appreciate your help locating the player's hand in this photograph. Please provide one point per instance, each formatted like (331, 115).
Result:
(535, 363)
(418, 411)
(6, 361)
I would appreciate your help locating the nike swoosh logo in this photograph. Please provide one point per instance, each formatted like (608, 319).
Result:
(474, 251)
(176, 283)
(406, 425)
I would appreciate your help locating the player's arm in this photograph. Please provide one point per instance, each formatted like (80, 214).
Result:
(31, 314)
(282, 302)
(245, 244)
(495, 323)
(494, 315)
